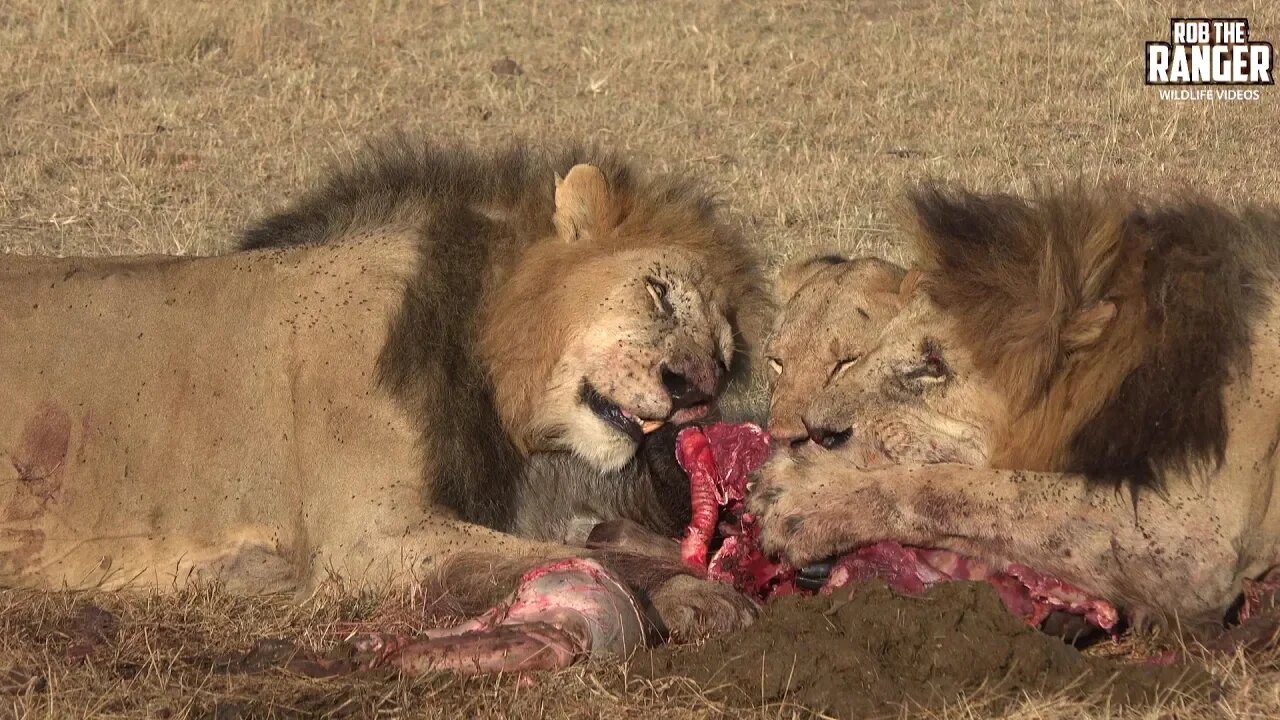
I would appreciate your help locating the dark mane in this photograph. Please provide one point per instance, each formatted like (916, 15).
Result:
(1184, 277)
(473, 213)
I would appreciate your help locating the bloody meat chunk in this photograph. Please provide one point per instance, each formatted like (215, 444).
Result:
(720, 458)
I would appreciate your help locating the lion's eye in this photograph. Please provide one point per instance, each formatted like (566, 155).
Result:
(776, 365)
(842, 365)
(933, 362)
(935, 365)
(932, 366)
(658, 291)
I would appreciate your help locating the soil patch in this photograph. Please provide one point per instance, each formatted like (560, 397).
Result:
(867, 652)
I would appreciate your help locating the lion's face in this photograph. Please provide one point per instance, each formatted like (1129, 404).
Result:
(916, 396)
(834, 313)
(1013, 337)
(629, 319)
(654, 347)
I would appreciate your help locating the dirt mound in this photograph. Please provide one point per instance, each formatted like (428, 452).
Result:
(865, 653)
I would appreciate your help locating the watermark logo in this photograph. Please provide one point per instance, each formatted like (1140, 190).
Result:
(1210, 52)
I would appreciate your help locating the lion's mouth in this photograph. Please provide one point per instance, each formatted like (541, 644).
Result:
(615, 415)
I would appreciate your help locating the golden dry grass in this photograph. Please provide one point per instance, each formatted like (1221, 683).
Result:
(146, 126)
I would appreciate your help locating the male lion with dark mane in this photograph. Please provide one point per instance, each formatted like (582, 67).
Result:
(433, 352)
(1078, 382)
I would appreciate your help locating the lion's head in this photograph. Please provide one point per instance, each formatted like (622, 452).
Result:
(632, 313)
(833, 312)
(1074, 331)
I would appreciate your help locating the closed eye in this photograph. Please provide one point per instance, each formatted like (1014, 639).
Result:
(842, 365)
(932, 366)
(658, 290)
(776, 365)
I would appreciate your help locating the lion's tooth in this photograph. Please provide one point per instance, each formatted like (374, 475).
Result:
(651, 425)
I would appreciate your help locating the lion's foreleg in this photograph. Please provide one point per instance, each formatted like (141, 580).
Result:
(1172, 552)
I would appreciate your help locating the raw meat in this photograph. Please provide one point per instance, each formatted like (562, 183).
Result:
(720, 458)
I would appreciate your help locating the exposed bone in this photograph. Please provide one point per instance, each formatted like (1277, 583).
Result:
(561, 612)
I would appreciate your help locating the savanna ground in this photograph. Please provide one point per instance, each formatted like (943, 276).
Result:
(132, 126)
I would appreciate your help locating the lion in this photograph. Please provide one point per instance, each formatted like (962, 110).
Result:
(413, 360)
(1080, 382)
(833, 309)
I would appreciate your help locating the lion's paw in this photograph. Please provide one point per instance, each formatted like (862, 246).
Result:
(809, 507)
(783, 505)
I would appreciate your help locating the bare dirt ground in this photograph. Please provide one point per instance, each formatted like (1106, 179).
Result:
(133, 126)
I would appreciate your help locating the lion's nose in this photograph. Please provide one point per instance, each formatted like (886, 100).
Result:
(788, 431)
(828, 437)
(683, 392)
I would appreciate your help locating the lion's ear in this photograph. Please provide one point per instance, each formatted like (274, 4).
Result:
(910, 282)
(876, 275)
(1088, 326)
(793, 277)
(584, 205)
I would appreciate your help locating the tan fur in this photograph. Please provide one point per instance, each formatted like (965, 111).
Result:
(216, 407)
(230, 418)
(1078, 382)
(833, 312)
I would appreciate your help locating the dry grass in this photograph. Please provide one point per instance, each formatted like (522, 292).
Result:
(146, 126)
(160, 655)
(154, 126)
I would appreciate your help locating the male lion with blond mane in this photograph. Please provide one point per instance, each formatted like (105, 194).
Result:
(1078, 382)
(405, 364)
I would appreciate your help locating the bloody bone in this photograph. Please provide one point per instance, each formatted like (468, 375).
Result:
(719, 458)
(693, 452)
(561, 612)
